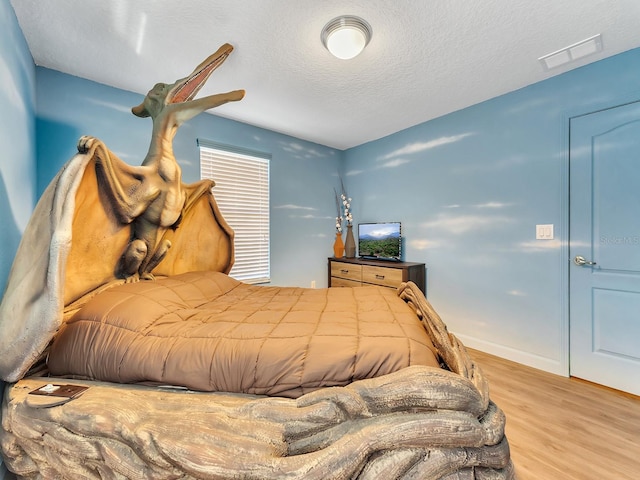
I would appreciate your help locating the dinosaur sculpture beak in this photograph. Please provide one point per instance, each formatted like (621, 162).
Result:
(186, 89)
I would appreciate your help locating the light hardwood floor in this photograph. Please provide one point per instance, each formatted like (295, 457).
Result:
(564, 428)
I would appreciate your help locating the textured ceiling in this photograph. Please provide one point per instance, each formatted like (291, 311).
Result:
(426, 58)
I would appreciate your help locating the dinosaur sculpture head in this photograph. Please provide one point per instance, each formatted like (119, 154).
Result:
(183, 90)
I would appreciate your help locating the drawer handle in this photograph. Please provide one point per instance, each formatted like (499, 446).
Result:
(379, 277)
(344, 270)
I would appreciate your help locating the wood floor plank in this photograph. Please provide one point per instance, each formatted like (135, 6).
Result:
(564, 428)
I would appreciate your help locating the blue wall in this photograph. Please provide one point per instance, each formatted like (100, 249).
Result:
(470, 187)
(302, 174)
(17, 142)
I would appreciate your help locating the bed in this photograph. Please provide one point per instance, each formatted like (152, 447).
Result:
(426, 417)
(130, 352)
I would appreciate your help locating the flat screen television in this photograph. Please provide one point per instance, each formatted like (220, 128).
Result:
(380, 240)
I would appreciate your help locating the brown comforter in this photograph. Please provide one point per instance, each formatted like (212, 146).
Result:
(207, 331)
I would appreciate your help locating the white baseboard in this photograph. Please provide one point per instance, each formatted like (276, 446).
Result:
(519, 356)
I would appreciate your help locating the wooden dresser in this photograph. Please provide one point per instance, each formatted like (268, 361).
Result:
(354, 272)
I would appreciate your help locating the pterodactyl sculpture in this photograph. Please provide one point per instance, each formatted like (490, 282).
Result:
(152, 196)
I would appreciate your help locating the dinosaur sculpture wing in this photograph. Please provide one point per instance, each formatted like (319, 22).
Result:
(72, 245)
(203, 240)
(124, 183)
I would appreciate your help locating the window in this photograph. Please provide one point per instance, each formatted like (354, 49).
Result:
(242, 193)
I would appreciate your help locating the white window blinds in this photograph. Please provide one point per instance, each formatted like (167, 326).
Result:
(242, 193)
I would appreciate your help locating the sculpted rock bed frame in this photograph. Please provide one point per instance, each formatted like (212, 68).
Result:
(420, 422)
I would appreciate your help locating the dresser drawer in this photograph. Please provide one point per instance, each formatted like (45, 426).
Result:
(343, 282)
(387, 277)
(346, 270)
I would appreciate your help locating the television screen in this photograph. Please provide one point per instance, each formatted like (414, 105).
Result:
(379, 240)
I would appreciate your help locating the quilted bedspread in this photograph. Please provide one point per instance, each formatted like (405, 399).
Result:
(206, 331)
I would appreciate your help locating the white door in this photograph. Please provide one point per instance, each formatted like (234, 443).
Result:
(604, 236)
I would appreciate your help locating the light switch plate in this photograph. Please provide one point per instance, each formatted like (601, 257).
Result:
(544, 232)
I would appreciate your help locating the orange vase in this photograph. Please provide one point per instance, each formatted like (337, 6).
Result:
(338, 246)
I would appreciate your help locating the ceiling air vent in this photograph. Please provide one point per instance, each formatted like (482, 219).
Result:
(573, 52)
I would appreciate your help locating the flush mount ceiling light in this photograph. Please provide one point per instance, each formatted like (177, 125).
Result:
(345, 37)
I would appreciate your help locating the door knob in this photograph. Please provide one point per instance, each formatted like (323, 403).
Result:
(580, 261)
